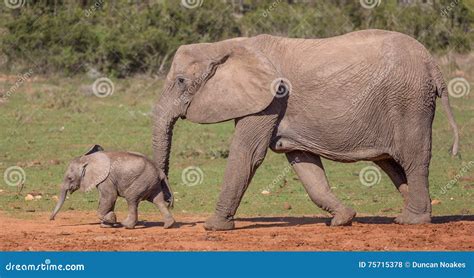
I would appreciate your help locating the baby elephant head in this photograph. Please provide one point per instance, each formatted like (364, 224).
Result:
(85, 172)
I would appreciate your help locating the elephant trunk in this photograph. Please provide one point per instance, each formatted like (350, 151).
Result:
(162, 136)
(60, 203)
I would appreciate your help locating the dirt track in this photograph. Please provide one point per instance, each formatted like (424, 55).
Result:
(81, 231)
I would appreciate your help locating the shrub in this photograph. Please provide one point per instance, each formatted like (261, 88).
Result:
(121, 38)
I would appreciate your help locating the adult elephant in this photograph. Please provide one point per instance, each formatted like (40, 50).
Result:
(367, 95)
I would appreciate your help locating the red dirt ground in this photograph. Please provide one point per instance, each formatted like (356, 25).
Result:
(81, 231)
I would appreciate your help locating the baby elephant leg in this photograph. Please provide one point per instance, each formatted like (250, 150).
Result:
(105, 211)
(132, 217)
(160, 203)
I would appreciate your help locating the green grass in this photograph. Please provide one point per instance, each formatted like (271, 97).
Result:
(47, 122)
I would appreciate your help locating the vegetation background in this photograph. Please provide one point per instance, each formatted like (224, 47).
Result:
(51, 52)
(123, 38)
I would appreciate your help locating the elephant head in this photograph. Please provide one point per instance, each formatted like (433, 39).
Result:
(85, 172)
(210, 83)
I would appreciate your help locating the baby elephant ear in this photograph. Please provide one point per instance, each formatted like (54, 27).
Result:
(93, 149)
(96, 168)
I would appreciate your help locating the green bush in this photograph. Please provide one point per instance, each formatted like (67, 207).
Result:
(426, 22)
(121, 38)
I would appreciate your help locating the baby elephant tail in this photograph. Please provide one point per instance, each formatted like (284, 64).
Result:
(442, 92)
(167, 192)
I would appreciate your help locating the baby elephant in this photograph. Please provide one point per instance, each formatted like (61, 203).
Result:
(125, 174)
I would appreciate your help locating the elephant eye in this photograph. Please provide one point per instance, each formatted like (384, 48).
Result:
(180, 80)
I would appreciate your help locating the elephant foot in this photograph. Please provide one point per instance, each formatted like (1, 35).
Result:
(128, 224)
(169, 222)
(219, 223)
(106, 225)
(412, 218)
(343, 217)
(110, 218)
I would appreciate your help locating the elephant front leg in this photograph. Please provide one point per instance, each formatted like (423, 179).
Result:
(247, 151)
(310, 171)
(107, 199)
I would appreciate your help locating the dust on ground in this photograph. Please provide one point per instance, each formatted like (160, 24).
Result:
(81, 231)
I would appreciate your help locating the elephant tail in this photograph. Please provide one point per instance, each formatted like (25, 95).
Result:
(442, 92)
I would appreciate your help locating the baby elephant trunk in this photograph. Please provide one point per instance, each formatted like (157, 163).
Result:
(60, 203)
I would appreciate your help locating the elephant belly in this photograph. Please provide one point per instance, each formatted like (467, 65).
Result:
(290, 137)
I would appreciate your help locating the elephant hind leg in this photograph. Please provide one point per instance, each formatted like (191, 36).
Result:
(159, 200)
(396, 173)
(310, 171)
(132, 216)
(415, 160)
(418, 207)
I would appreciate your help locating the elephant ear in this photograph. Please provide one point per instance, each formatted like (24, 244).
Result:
(95, 148)
(240, 84)
(95, 169)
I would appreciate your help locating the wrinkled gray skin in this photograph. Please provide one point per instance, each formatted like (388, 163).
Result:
(367, 95)
(125, 174)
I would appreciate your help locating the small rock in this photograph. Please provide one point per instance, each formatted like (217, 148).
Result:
(37, 197)
(29, 197)
(211, 238)
(1, 190)
(287, 206)
(35, 194)
(465, 211)
(56, 198)
(435, 202)
(386, 209)
(54, 162)
(265, 192)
